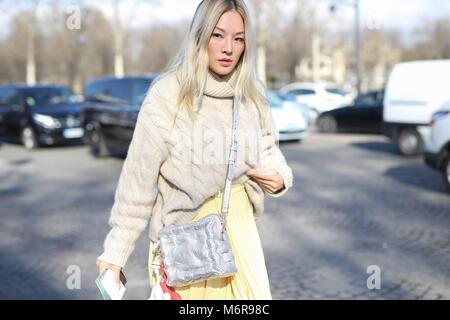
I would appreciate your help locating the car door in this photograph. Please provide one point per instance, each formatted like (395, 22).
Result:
(347, 117)
(139, 89)
(12, 111)
(364, 112)
(3, 110)
(106, 109)
(375, 120)
(119, 127)
(307, 96)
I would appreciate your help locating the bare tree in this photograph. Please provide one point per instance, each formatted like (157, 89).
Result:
(74, 55)
(260, 6)
(121, 30)
(20, 47)
(432, 40)
(156, 45)
(29, 21)
(381, 50)
(290, 39)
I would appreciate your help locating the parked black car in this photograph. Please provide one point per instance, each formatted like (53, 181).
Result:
(110, 112)
(365, 115)
(39, 115)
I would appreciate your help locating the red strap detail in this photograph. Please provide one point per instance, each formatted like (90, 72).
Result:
(167, 289)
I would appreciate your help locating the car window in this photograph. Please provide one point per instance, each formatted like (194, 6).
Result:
(338, 91)
(140, 89)
(287, 96)
(367, 100)
(94, 89)
(47, 96)
(9, 96)
(380, 97)
(274, 100)
(3, 95)
(120, 89)
(302, 92)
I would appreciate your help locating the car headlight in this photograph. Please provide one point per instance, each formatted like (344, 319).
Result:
(46, 121)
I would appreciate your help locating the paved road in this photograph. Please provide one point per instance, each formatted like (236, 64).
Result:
(356, 203)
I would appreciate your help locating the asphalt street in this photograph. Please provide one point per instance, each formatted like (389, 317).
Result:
(356, 206)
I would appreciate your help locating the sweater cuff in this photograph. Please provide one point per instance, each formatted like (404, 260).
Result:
(115, 257)
(286, 174)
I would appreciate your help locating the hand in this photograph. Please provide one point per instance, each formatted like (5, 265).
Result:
(269, 180)
(115, 269)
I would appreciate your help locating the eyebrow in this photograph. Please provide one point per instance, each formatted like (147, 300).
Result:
(242, 32)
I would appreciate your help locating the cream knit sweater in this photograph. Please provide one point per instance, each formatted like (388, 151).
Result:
(174, 165)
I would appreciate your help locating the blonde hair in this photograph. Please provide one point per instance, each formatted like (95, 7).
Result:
(191, 63)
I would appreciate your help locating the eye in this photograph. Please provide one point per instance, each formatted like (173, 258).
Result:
(217, 35)
(240, 39)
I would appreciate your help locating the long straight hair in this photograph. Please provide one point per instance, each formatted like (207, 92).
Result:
(191, 62)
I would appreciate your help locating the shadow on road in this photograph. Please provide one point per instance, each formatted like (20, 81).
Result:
(16, 278)
(20, 162)
(332, 272)
(68, 144)
(377, 146)
(418, 176)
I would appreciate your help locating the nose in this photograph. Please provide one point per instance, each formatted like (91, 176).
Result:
(228, 46)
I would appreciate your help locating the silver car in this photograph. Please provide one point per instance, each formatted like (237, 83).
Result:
(290, 117)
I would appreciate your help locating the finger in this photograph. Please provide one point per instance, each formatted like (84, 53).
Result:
(268, 187)
(273, 187)
(270, 177)
(101, 267)
(117, 277)
(269, 183)
(265, 179)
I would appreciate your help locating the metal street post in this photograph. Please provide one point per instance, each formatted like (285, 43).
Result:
(358, 47)
(356, 7)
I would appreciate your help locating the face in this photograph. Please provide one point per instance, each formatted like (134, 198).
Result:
(227, 43)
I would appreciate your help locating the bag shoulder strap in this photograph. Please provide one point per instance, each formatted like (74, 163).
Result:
(231, 162)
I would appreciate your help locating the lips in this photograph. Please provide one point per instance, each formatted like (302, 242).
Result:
(226, 63)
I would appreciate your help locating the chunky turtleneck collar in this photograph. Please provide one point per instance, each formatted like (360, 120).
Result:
(220, 87)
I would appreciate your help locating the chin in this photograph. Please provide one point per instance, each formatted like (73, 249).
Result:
(222, 71)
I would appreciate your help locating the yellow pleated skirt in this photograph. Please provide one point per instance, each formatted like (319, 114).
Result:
(251, 282)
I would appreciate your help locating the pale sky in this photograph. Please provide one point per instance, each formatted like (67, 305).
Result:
(397, 13)
(401, 14)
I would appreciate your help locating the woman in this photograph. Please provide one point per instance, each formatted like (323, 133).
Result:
(176, 162)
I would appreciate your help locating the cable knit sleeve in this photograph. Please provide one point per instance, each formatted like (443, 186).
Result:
(137, 187)
(271, 156)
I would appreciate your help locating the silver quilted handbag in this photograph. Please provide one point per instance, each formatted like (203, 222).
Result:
(201, 250)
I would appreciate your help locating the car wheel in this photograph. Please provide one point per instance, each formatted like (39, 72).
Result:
(327, 124)
(446, 172)
(28, 138)
(96, 141)
(409, 142)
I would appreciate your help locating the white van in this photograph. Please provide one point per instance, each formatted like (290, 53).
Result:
(415, 90)
(437, 147)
